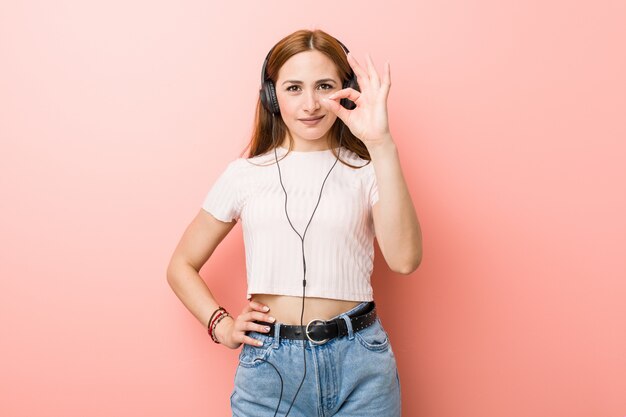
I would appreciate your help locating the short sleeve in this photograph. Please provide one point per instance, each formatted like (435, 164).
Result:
(371, 187)
(223, 199)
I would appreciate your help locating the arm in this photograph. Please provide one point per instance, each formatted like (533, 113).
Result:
(197, 244)
(397, 228)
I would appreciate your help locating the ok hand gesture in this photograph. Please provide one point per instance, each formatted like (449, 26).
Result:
(368, 121)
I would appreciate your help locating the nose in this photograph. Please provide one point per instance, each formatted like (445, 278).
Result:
(311, 101)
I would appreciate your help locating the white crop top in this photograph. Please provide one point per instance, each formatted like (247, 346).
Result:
(339, 241)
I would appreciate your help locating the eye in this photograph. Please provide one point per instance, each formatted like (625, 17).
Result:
(291, 86)
(330, 87)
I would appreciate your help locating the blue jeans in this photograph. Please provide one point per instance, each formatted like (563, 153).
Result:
(351, 376)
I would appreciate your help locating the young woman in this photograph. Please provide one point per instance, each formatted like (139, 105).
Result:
(322, 179)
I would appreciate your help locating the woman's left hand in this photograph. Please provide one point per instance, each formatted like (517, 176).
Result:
(368, 121)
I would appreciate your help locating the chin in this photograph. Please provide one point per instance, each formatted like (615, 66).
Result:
(310, 137)
(312, 134)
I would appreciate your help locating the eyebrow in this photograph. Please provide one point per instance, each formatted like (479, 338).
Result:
(300, 82)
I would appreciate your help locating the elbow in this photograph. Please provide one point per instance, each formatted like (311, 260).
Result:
(410, 266)
(178, 269)
(172, 272)
(407, 270)
(408, 258)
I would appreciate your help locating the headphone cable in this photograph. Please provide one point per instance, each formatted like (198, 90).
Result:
(304, 271)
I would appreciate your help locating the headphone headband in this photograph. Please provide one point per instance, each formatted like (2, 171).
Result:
(267, 57)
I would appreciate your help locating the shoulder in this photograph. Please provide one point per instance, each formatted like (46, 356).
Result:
(240, 168)
(231, 171)
(260, 160)
(233, 167)
(243, 164)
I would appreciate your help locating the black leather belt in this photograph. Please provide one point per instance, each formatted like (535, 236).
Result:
(320, 331)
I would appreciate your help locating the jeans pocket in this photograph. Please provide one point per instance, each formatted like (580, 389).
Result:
(374, 337)
(250, 356)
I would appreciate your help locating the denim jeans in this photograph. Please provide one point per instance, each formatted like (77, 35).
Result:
(350, 376)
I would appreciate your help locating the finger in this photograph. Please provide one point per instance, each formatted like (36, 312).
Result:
(374, 79)
(255, 305)
(252, 341)
(386, 85)
(349, 93)
(255, 327)
(334, 106)
(257, 315)
(251, 326)
(361, 75)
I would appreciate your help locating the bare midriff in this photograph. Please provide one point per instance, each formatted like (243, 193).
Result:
(287, 309)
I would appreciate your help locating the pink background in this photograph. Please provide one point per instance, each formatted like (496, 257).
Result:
(116, 117)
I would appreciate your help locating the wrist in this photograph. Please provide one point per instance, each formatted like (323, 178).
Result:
(218, 315)
(221, 328)
(382, 149)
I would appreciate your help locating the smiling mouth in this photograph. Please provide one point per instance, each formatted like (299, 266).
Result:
(312, 119)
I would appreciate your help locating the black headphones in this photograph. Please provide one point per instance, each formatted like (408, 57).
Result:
(268, 90)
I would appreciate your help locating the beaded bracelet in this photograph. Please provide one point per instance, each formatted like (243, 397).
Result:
(220, 308)
(217, 320)
(212, 325)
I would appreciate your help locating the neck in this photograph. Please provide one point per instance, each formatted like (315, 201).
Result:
(307, 146)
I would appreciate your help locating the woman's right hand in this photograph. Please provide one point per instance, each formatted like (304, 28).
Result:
(232, 332)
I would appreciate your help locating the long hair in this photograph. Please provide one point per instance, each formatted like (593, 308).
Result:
(269, 130)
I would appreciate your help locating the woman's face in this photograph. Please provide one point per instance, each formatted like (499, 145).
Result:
(304, 80)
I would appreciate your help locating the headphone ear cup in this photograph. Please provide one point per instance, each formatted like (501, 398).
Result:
(271, 92)
(350, 83)
(268, 97)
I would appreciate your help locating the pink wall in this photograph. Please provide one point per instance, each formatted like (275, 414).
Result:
(116, 117)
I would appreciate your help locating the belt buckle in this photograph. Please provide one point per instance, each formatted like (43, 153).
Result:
(306, 331)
